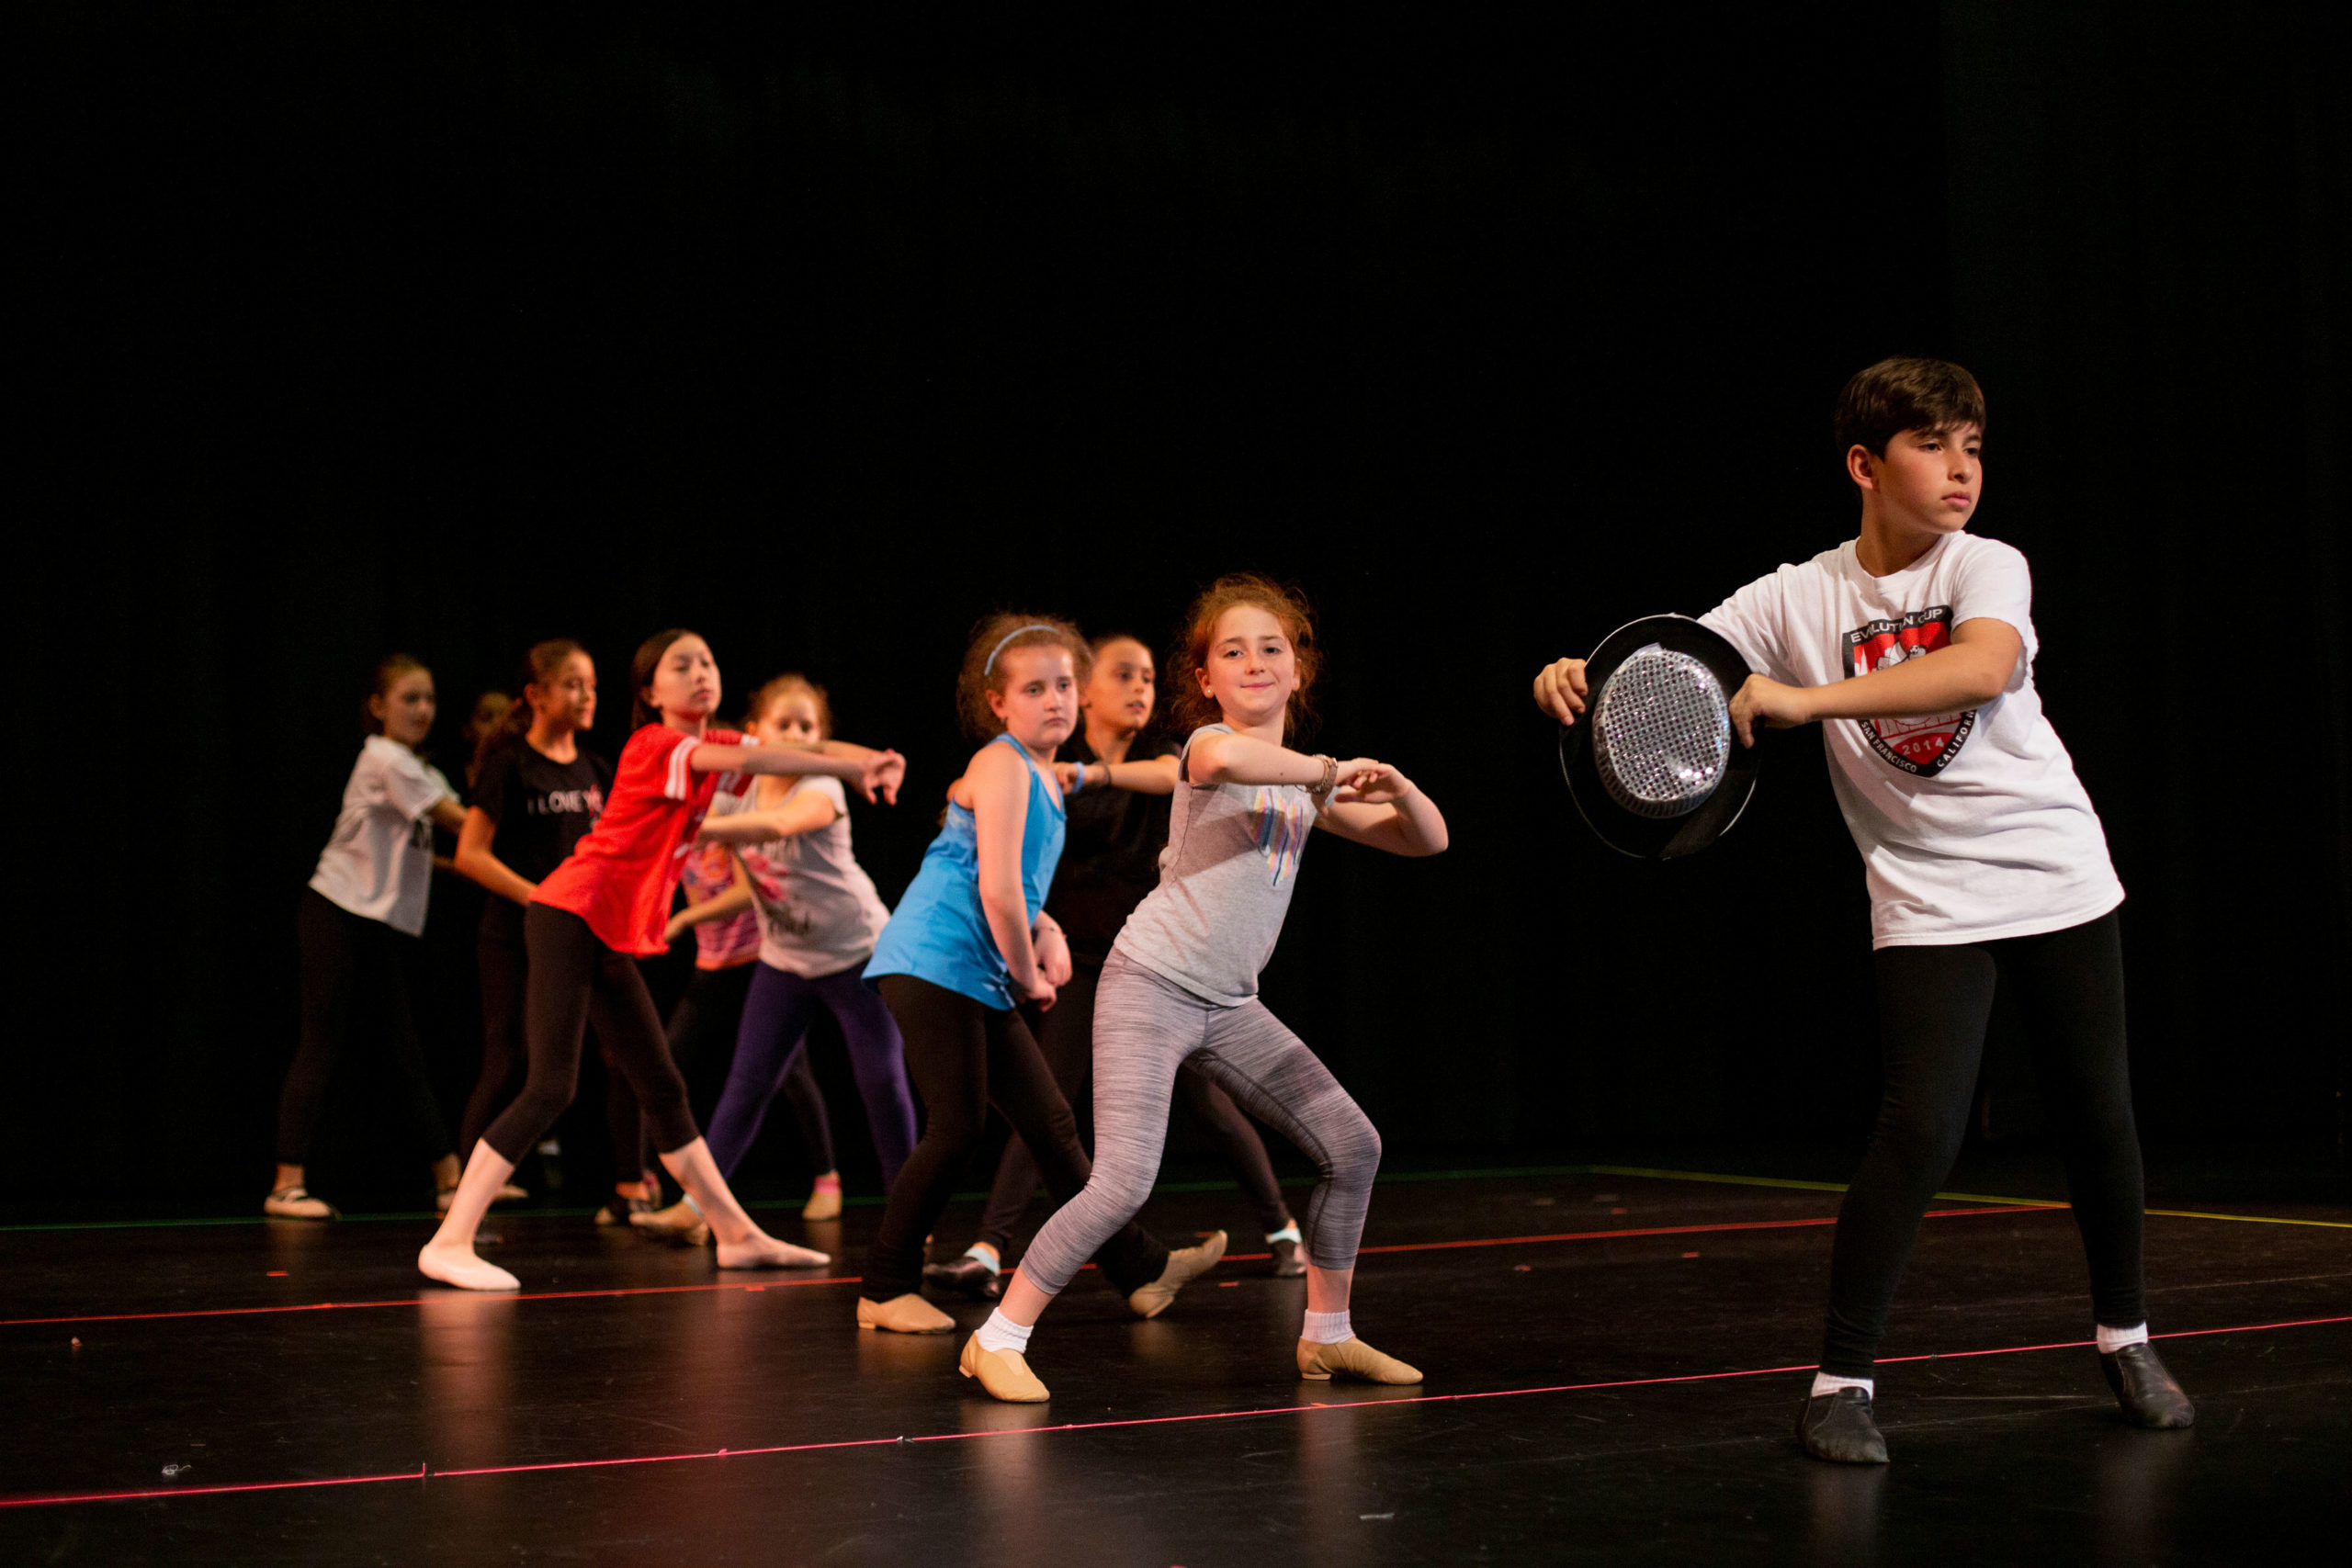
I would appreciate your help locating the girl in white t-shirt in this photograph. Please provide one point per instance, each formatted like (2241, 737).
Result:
(365, 904)
(1913, 646)
(819, 918)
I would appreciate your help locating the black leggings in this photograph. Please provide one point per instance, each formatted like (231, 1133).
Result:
(505, 965)
(707, 1019)
(965, 1057)
(353, 969)
(1065, 1036)
(498, 955)
(575, 980)
(1933, 1003)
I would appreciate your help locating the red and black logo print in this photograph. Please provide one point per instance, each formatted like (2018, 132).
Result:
(1927, 744)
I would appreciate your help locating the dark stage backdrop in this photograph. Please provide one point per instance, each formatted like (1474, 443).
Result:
(448, 328)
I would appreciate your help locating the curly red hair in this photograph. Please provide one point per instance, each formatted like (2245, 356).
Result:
(1193, 707)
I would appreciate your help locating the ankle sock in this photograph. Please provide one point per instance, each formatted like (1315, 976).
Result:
(1326, 1327)
(986, 1254)
(1288, 1233)
(1830, 1383)
(1000, 1333)
(2110, 1340)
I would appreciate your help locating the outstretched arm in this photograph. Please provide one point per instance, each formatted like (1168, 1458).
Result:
(1971, 672)
(1246, 759)
(804, 812)
(1149, 775)
(875, 774)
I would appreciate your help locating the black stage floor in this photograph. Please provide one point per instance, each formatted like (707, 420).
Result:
(1613, 1364)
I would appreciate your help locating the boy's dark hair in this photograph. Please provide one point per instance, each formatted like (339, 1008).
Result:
(1896, 395)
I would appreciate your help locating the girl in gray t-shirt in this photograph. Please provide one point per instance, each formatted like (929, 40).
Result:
(1181, 981)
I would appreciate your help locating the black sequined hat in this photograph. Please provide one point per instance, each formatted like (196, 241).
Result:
(1653, 764)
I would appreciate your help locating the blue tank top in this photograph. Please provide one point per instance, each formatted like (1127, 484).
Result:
(938, 933)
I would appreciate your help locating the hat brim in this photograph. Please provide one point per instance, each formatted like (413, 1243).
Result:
(1650, 837)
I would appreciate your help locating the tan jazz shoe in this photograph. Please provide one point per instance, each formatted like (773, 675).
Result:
(909, 1314)
(1183, 1268)
(680, 1223)
(1003, 1373)
(824, 1203)
(1351, 1358)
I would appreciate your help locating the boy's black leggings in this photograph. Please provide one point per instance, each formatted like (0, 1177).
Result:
(1933, 1003)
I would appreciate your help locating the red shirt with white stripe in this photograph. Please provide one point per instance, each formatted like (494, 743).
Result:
(621, 878)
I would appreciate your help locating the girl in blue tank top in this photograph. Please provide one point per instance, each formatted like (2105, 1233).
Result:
(940, 932)
(967, 942)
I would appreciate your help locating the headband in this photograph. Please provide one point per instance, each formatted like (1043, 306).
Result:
(1017, 631)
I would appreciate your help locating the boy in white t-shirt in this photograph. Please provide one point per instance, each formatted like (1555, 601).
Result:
(1913, 645)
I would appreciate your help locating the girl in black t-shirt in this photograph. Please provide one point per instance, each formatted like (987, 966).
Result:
(535, 794)
(1116, 781)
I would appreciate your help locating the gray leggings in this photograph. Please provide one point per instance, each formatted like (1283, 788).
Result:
(1144, 1027)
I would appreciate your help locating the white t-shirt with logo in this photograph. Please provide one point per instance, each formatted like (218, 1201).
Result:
(378, 861)
(819, 913)
(1972, 825)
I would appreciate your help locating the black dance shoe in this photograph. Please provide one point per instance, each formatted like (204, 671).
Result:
(1838, 1428)
(1288, 1264)
(967, 1276)
(2149, 1395)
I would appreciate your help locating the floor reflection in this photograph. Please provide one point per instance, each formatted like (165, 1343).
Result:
(1843, 1507)
(1330, 1479)
(2138, 1477)
(466, 1369)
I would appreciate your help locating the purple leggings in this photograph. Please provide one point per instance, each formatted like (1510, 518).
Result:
(776, 1015)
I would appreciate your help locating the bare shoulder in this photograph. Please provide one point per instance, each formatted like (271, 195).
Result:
(994, 772)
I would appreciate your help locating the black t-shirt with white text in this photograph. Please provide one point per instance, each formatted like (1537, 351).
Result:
(542, 806)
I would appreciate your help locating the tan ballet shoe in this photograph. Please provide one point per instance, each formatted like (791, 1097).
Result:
(1004, 1373)
(680, 1223)
(909, 1314)
(296, 1204)
(1183, 1268)
(824, 1203)
(764, 1251)
(1351, 1358)
(452, 1265)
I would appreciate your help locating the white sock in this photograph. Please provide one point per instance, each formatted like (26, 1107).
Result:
(1326, 1327)
(688, 1200)
(1000, 1333)
(1829, 1382)
(1288, 1233)
(987, 1255)
(2110, 1340)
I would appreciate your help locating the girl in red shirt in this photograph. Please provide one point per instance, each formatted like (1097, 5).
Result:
(601, 909)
